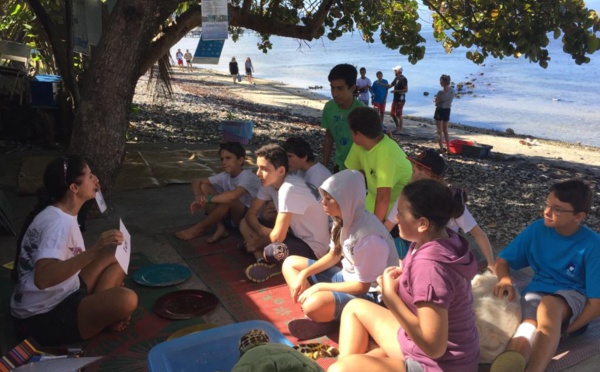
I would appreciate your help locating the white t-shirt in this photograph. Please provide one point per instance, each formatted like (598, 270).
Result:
(315, 175)
(247, 179)
(466, 222)
(309, 221)
(52, 234)
(365, 262)
(360, 82)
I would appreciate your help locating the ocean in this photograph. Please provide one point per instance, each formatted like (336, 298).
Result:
(560, 102)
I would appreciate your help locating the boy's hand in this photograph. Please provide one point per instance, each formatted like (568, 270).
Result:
(504, 287)
(197, 204)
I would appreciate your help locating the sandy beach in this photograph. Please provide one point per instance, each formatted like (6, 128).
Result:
(506, 188)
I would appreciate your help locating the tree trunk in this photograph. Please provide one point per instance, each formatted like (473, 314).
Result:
(109, 84)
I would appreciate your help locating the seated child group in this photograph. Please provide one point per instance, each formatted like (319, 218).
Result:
(372, 250)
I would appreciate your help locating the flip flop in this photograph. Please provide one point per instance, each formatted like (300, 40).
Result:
(261, 272)
(306, 329)
(508, 361)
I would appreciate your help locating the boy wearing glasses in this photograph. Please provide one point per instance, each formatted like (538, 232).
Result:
(563, 296)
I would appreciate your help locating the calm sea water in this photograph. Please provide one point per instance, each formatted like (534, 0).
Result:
(560, 102)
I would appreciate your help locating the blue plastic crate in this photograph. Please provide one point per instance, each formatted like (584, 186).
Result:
(212, 350)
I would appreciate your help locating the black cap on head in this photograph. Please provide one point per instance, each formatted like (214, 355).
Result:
(432, 160)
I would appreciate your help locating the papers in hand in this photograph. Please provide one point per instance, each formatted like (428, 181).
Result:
(100, 201)
(123, 252)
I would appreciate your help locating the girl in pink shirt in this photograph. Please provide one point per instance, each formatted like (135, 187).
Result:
(429, 324)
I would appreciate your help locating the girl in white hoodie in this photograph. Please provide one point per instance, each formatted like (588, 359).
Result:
(358, 239)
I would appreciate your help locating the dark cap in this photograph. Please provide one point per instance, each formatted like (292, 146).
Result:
(432, 160)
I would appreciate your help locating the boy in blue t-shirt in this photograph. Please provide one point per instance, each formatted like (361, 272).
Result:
(563, 296)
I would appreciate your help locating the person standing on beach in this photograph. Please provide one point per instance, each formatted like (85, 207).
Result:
(234, 69)
(188, 59)
(400, 85)
(249, 69)
(179, 57)
(363, 85)
(380, 92)
(342, 79)
(443, 102)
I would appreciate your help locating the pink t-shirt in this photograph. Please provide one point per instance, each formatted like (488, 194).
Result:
(440, 272)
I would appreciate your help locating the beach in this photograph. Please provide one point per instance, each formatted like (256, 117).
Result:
(506, 188)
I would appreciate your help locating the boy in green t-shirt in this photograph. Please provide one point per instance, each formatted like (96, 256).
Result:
(342, 79)
(380, 158)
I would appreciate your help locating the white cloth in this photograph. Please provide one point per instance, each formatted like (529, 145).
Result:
(246, 179)
(309, 221)
(315, 175)
(360, 83)
(367, 246)
(52, 234)
(465, 222)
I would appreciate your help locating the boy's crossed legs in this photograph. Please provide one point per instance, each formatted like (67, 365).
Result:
(215, 214)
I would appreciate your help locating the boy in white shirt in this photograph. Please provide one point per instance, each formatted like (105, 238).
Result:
(302, 162)
(298, 211)
(227, 194)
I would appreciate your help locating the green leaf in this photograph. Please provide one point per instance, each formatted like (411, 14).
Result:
(16, 10)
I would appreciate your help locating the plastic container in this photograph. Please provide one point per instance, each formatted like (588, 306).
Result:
(212, 350)
(44, 89)
(237, 131)
(476, 151)
(456, 146)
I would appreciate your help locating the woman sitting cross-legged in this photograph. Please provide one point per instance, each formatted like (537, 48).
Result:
(429, 323)
(359, 240)
(65, 293)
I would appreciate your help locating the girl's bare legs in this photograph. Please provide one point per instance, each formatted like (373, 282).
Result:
(320, 306)
(445, 128)
(438, 128)
(108, 304)
(361, 319)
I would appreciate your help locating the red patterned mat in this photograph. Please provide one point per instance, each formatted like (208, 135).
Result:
(221, 267)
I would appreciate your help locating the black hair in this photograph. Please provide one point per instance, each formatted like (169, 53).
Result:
(233, 147)
(299, 147)
(575, 192)
(60, 173)
(445, 78)
(362, 68)
(275, 155)
(365, 120)
(378, 73)
(343, 71)
(434, 201)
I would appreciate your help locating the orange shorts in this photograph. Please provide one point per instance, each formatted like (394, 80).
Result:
(397, 108)
(379, 107)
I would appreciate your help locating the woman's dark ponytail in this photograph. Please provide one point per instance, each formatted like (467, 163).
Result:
(459, 198)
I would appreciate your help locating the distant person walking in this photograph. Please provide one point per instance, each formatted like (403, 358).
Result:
(363, 84)
(443, 102)
(188, 59)
(234, 69)
(380, 92)
(179, 57)
(249, 69)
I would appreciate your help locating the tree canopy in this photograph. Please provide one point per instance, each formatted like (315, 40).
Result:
(138, 33)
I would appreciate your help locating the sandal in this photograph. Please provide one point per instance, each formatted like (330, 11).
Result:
(261, 272)
(306, 329)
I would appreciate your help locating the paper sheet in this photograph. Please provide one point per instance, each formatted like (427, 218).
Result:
(100, 201)
(123, 252)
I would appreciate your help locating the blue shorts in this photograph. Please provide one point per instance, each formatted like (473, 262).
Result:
(334, 275)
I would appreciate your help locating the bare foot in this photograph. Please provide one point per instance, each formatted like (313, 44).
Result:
(190, 233)
(219, 234)
(120, 326)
